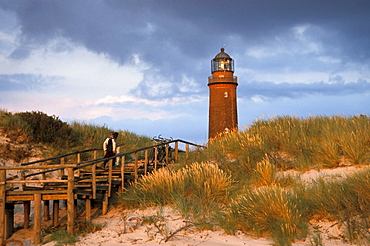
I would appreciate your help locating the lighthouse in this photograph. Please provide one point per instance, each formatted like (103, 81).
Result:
(222, 85)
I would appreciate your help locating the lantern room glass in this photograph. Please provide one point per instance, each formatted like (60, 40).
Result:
(222, 65)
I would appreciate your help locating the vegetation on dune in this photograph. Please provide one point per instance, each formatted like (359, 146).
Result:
(38, 129)
(253, 196)
(197, 191)
(239, 182)
(294, 143)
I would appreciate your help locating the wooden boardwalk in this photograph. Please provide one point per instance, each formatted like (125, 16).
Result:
(54, 180)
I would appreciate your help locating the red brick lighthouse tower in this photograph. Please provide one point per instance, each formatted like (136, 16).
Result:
(222, 85)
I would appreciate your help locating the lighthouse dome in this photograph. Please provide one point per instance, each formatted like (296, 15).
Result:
(222, 55)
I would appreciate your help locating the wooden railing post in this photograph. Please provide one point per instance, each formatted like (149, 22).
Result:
(2, 205)
(136, 166)
(62, 162)
(176, 151)
(146, 161)
(167, 159)
(37, 218)
(26, 214)
(110, 167)
(70, 200)
(88, 210)
(46, 210)
(104, 209)
(117, 158)
(55, 212)
(23, 177)
(155, 157)
(93, 173)
(9, 219)
(78, 161)
(122, 173)
(187, 150)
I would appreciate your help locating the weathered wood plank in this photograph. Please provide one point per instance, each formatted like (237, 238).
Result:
(70, 201)
(26, 214)
(123, 173)
(55, 212)
(37, 167)
(55, 197)
(19, 198)
(9, 219)
(46, 210)
(104, 209)
(37, 219)
(88, 210)
(110, 166)
(31, 192)
(2, 205)
(136, 166)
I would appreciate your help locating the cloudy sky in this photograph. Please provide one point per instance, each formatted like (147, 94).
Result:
(142, 65)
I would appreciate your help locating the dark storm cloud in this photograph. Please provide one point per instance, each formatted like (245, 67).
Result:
(20, 82)
(178, 38)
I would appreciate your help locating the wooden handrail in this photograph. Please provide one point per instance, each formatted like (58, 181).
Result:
(72, 180)
(119, 154)
(81, 164)
(65, 155)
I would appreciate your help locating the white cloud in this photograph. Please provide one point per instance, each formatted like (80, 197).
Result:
(188, 85)
(109, 100)
(328, 59)
(257, 99)
(84, 74)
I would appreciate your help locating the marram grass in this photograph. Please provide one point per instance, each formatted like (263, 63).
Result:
(294, 143)
(241, 187)
(199, 182)
(271, 211)
(347, 202)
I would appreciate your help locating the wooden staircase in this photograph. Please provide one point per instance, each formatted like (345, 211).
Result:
(82, 180)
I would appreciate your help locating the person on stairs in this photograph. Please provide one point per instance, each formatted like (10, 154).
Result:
(109, 147)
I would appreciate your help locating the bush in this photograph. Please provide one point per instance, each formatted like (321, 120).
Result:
(48, 129)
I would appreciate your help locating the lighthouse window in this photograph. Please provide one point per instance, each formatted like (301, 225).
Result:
(226, 94)
(224, 65)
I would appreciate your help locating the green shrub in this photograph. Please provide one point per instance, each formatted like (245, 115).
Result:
(48, 129)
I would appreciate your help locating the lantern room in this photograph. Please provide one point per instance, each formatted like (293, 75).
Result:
(222, 62)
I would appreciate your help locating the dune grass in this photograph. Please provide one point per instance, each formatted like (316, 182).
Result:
(236, 183)
(197, 191)
(239, 185)
(271, 211)
(294, 143)
(347, 202)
